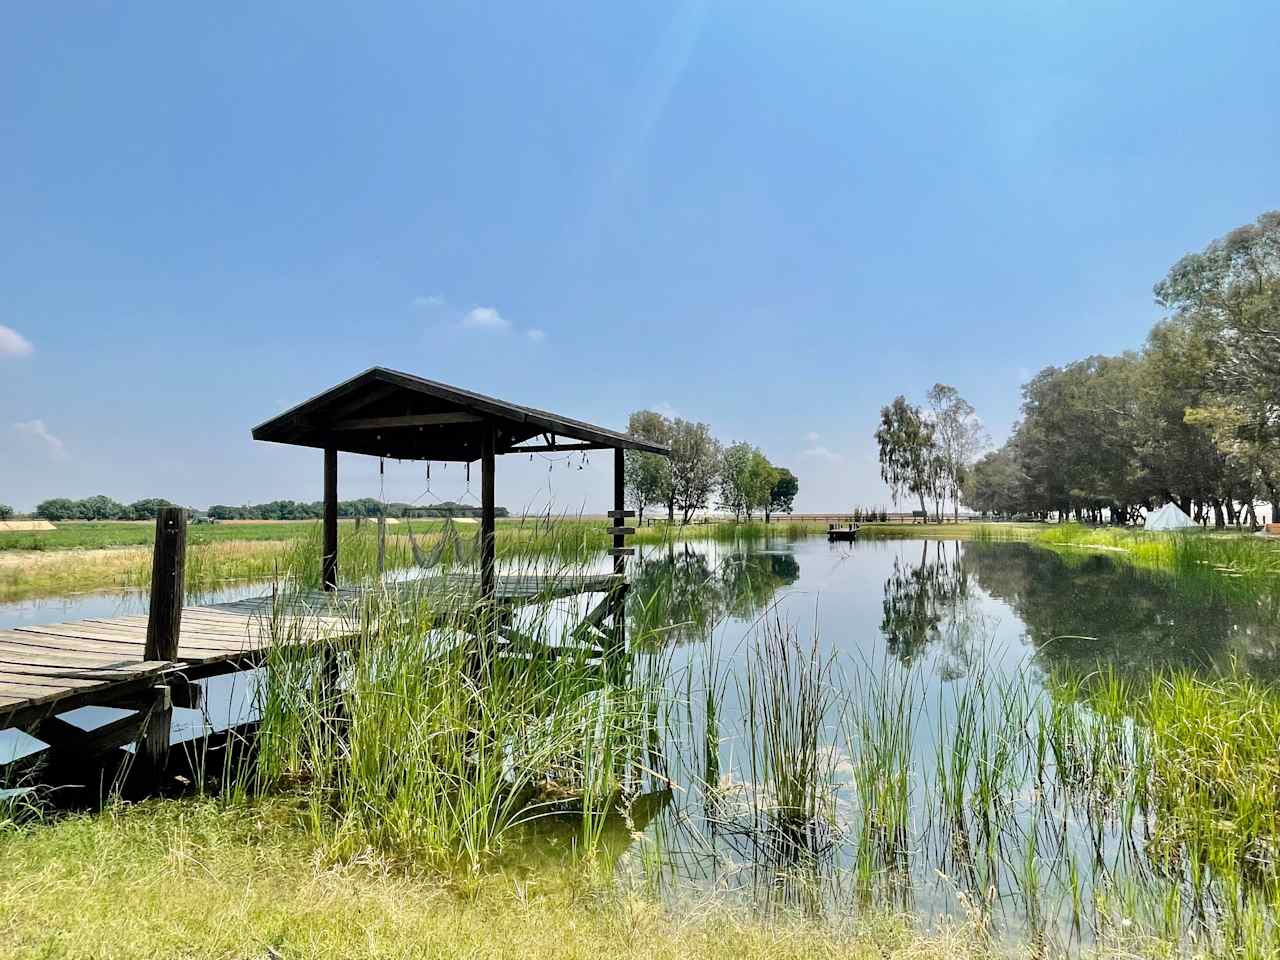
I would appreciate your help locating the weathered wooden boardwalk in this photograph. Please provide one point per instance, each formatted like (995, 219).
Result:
(53, 668)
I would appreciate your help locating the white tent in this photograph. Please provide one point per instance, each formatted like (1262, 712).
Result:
(1169, 517)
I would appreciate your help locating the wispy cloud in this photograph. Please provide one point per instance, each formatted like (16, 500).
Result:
(427, 301)
(536, 335)
(817, 449)
(14, 344)
(37, 429)
(486, 318)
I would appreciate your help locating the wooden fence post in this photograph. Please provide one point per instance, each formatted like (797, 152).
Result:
(164, 625)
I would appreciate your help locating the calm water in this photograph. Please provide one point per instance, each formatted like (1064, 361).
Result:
(940, 617)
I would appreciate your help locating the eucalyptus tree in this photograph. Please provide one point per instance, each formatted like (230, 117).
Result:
(695, 467)
(907, 451)
(959, 437)
(649, 475)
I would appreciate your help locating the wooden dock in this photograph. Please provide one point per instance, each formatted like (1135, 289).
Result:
(50, 669)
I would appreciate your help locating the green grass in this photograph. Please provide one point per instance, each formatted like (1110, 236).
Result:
(200, 879)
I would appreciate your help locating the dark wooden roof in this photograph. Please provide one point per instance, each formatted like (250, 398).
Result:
(386, 413)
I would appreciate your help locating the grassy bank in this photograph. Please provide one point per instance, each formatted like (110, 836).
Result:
(199, 879)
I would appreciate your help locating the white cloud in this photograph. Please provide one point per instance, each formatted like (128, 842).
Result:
(816, 449)
(427, 302)
(485, 318)
(667, 410)
(536, 335)
(37, 429)
(13, 344)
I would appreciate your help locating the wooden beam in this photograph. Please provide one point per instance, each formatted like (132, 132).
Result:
(409, 420)
(557, 448)
(622, 531)
(488, 580)
(621, 514)
(329, 558)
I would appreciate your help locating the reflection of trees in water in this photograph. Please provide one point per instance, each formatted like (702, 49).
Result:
(1080, 611)
(679, 595)
(926, 604)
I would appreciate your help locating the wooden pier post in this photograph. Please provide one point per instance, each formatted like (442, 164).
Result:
(329, 559)
(168, 562)
(164, 628)
(488, 546)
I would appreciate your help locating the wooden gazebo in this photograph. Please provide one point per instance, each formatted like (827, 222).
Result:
(385, 413)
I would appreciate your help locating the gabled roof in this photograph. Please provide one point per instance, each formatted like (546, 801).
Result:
(387, 413)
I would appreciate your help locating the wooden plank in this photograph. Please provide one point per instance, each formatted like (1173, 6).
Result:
(128, 635)
(409, 420)
(621, 514)
(623, 552)
(38, 680)
(621, 531)
(75, 640)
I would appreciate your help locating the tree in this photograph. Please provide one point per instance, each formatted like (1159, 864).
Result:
(959, 436)
(59, 508)
(6, 511)
(746, 477)
(648, 475)
(1228, 297)
(907, 451)
(147, 509)
(695, 465)
(782, 494)
(995, 484)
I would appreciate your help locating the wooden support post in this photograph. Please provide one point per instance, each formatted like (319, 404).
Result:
(619, 504)
(488, 576)
(329, 559)
(168, 559)
(164, 627)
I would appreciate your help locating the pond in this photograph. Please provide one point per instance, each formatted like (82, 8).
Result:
(928, 642)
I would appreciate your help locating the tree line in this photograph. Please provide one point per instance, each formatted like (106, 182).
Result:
(1192, 418)
(701, 471)
(363, 507)
(105, 508)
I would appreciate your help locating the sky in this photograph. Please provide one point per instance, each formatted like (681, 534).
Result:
(771, 217)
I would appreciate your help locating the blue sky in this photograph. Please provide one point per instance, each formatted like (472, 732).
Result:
(771, 216)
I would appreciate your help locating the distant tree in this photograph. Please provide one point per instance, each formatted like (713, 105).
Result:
(101, 507)
(735, 464)
(995, 484)
(648, 475)
(959, 437)
(695, 465)
(6, 511)
(782, 494)
(58, 508)
(147, 509)
(907, 452)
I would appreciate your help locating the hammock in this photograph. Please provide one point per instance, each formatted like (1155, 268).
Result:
(450, 546)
